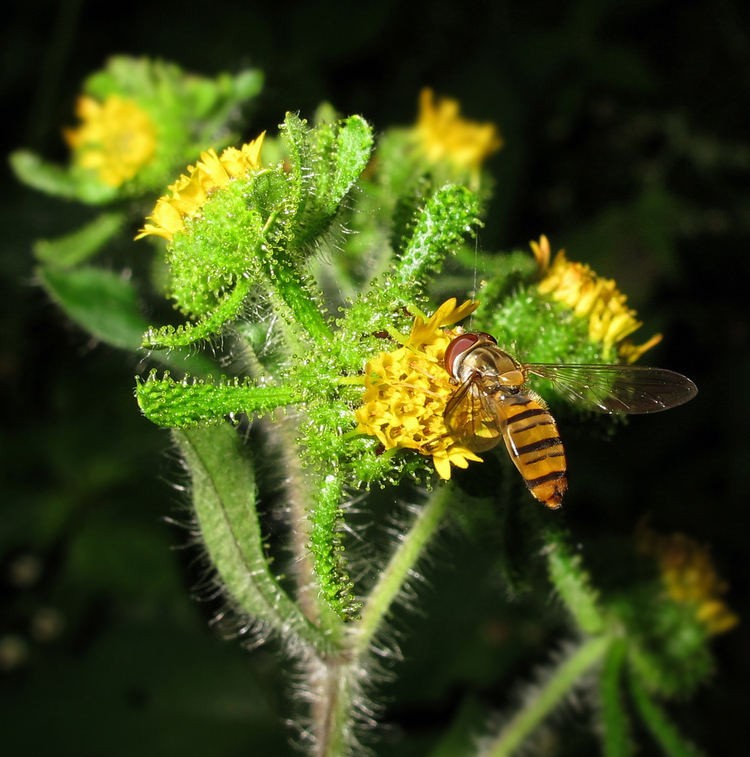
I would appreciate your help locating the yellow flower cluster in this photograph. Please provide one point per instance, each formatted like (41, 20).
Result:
(189, 193)
(406, 392)
(594, 298)
(445, 136)
(116, 138)
(690, 577)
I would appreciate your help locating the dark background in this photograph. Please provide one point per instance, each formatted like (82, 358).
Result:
(626, 128)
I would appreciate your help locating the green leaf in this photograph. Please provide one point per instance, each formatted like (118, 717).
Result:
(54, 180)
(72, 249)
(106, 305)
(247, 84)
(102, 302)
(224, 495)
(183, 404)
(301, 184)
(325, 162)
(353, 148)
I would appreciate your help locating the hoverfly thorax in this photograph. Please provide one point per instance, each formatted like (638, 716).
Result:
(476, 354)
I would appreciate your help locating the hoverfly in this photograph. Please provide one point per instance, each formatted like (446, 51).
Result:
(492, 402)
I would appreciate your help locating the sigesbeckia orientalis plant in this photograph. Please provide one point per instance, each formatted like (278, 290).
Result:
(140, 121)
(305, 263)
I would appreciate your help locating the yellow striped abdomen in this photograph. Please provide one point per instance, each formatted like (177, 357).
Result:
(535, 447)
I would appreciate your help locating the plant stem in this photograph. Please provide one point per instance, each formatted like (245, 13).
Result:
(397, 571)
(661, 727)
(615, 724)
(332, 708)
(562, 681)
(338, 691)
(300, 504)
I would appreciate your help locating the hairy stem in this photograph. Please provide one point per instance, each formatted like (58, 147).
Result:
(657, 721)
(397, 571)
(337, 702)
(615, 724)
(333, 708)
(589, 653)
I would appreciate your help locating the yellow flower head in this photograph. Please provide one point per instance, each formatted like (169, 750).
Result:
(116, 138)
(594, 298)
(406, 392)
(445, 136)
(690, 577)
(190, 192)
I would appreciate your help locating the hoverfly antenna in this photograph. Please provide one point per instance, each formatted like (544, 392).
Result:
(476, 262)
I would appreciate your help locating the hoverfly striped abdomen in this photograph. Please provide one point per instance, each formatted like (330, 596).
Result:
(535, 447)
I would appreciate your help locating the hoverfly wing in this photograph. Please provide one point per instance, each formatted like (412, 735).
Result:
(618, 388)
(473, 418)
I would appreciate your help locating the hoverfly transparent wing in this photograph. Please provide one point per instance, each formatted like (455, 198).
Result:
(618, 388)
(473, 417)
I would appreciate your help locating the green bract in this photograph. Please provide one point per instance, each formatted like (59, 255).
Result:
(258, 233)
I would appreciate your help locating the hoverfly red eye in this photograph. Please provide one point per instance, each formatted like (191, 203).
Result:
(457, 347)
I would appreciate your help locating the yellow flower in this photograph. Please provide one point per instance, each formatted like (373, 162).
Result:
(445, 136)
(690, 577)
(594, 298)
(406, 392)
(189, 193)
(116, 138)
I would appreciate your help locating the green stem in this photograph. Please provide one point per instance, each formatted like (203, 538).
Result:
(617, 742)
(396, 572)
(662, 729)
(588, 654)
(330, 568)
(284, 436)
(573, 582)
(333, 709)
(300, 504)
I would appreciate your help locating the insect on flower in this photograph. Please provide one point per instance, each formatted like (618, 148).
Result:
(492, 402)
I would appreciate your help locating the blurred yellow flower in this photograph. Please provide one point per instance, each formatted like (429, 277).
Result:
(190, 192)
(592, 297)
(445, 136)
(406, 392)
(116, 138)
(690, 577)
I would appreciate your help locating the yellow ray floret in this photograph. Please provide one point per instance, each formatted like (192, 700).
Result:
(594, 298)
(690, 577)
(116, 138)
(189, 193)
(445, 136)
(406, 392)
